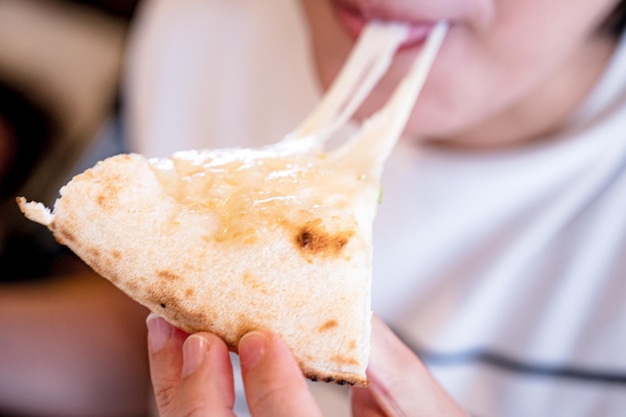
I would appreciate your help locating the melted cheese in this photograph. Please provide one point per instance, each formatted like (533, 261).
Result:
(293, 184)
(247, 189)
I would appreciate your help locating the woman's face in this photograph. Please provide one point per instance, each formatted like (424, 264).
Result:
(509, 70)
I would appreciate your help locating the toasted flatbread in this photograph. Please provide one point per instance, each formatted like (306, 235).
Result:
(232, 240)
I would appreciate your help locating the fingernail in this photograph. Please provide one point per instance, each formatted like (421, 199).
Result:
(252, 347)
(159, 332)
(194, 351)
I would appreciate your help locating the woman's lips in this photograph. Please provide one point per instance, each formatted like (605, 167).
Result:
(354, 22)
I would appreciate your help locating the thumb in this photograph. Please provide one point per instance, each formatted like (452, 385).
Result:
(400, 385)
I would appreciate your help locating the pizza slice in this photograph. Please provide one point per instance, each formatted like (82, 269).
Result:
(232, 240)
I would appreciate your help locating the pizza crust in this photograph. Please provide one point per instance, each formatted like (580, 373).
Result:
(232, 240)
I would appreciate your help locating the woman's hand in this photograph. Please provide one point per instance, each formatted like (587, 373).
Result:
(192, 376)
(400, 385)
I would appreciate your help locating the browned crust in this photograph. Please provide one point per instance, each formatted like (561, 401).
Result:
(311, 239)
(339, 379)
(310, 373)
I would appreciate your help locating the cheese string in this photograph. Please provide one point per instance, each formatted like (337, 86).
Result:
(370, 146)
(366, 64)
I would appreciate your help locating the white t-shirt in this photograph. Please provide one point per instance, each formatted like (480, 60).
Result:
(504, 270)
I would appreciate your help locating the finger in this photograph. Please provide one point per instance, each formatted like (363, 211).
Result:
(364, 404)
(206, 387)
(165, 354)
(399, 383)
(272, 379)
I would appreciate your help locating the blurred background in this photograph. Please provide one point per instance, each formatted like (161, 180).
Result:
(63, 334)
(60, 64)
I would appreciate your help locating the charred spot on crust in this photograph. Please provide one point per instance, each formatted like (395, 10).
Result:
(108, 197)
(305, 238)
(168, 275)
(329, 325)
(66, 236)
(162, 297)
(339, 381)
(313, 239)
(344, 360)
(101, 200)
(133, 286)
(254, 283)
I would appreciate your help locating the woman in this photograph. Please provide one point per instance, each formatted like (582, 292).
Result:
(499, 254)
